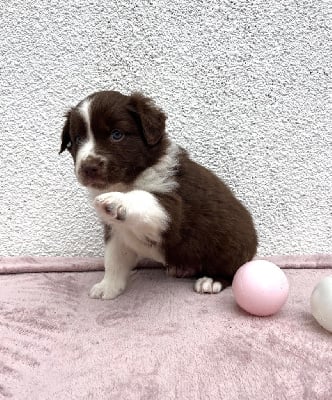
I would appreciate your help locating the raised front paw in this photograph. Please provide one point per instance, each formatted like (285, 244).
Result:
(110, 206)
(106, 290)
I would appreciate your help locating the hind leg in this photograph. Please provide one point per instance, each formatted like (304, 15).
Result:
(182, 271)
(210, 285)
(203, 284)
(207, 285)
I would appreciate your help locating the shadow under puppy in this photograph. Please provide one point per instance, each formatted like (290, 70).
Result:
(154, 201)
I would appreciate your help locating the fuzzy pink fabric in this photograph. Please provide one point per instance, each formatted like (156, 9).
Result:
(158, 341)
(15, 265)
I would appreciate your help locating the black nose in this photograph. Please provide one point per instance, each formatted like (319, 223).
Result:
(92, 167)
(90, 172)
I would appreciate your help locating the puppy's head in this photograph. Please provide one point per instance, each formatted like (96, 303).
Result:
(113, 138)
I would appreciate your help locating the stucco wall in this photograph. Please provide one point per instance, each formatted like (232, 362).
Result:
(246, 86)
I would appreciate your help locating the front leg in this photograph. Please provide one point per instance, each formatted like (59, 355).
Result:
(137, 211)
(119, 261)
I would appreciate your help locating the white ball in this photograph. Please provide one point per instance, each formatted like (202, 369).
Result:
(321, 303)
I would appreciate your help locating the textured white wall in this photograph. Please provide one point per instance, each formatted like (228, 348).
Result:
(246, 86)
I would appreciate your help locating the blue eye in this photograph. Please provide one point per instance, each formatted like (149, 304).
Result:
(116, 135)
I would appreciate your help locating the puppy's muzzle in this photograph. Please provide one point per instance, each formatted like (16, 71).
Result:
(92, 168)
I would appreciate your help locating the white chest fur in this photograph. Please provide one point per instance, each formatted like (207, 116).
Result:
(137, 220)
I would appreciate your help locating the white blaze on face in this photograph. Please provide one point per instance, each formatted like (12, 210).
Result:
(87, 148)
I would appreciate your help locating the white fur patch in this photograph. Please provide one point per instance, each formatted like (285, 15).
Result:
(88, 147)
(160, 177)
(207, 285)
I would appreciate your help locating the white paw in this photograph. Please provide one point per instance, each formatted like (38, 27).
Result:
(106, 290)
(111, 206)
(207, 285)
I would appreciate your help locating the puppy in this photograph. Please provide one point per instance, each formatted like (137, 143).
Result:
(154, 201)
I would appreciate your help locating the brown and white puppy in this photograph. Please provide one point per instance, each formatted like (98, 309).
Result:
(154, 200)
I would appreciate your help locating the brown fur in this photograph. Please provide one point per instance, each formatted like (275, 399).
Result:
(210, 233)
(210, 228)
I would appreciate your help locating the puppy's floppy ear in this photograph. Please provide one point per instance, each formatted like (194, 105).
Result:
(65, 138)
(149, 116)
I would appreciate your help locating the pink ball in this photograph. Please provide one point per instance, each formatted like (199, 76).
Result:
(260, 287)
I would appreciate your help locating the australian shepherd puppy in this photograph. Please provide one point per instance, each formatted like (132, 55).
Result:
(154, 201)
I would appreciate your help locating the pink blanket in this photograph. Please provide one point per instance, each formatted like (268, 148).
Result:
(158, 341)
(14, 265)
